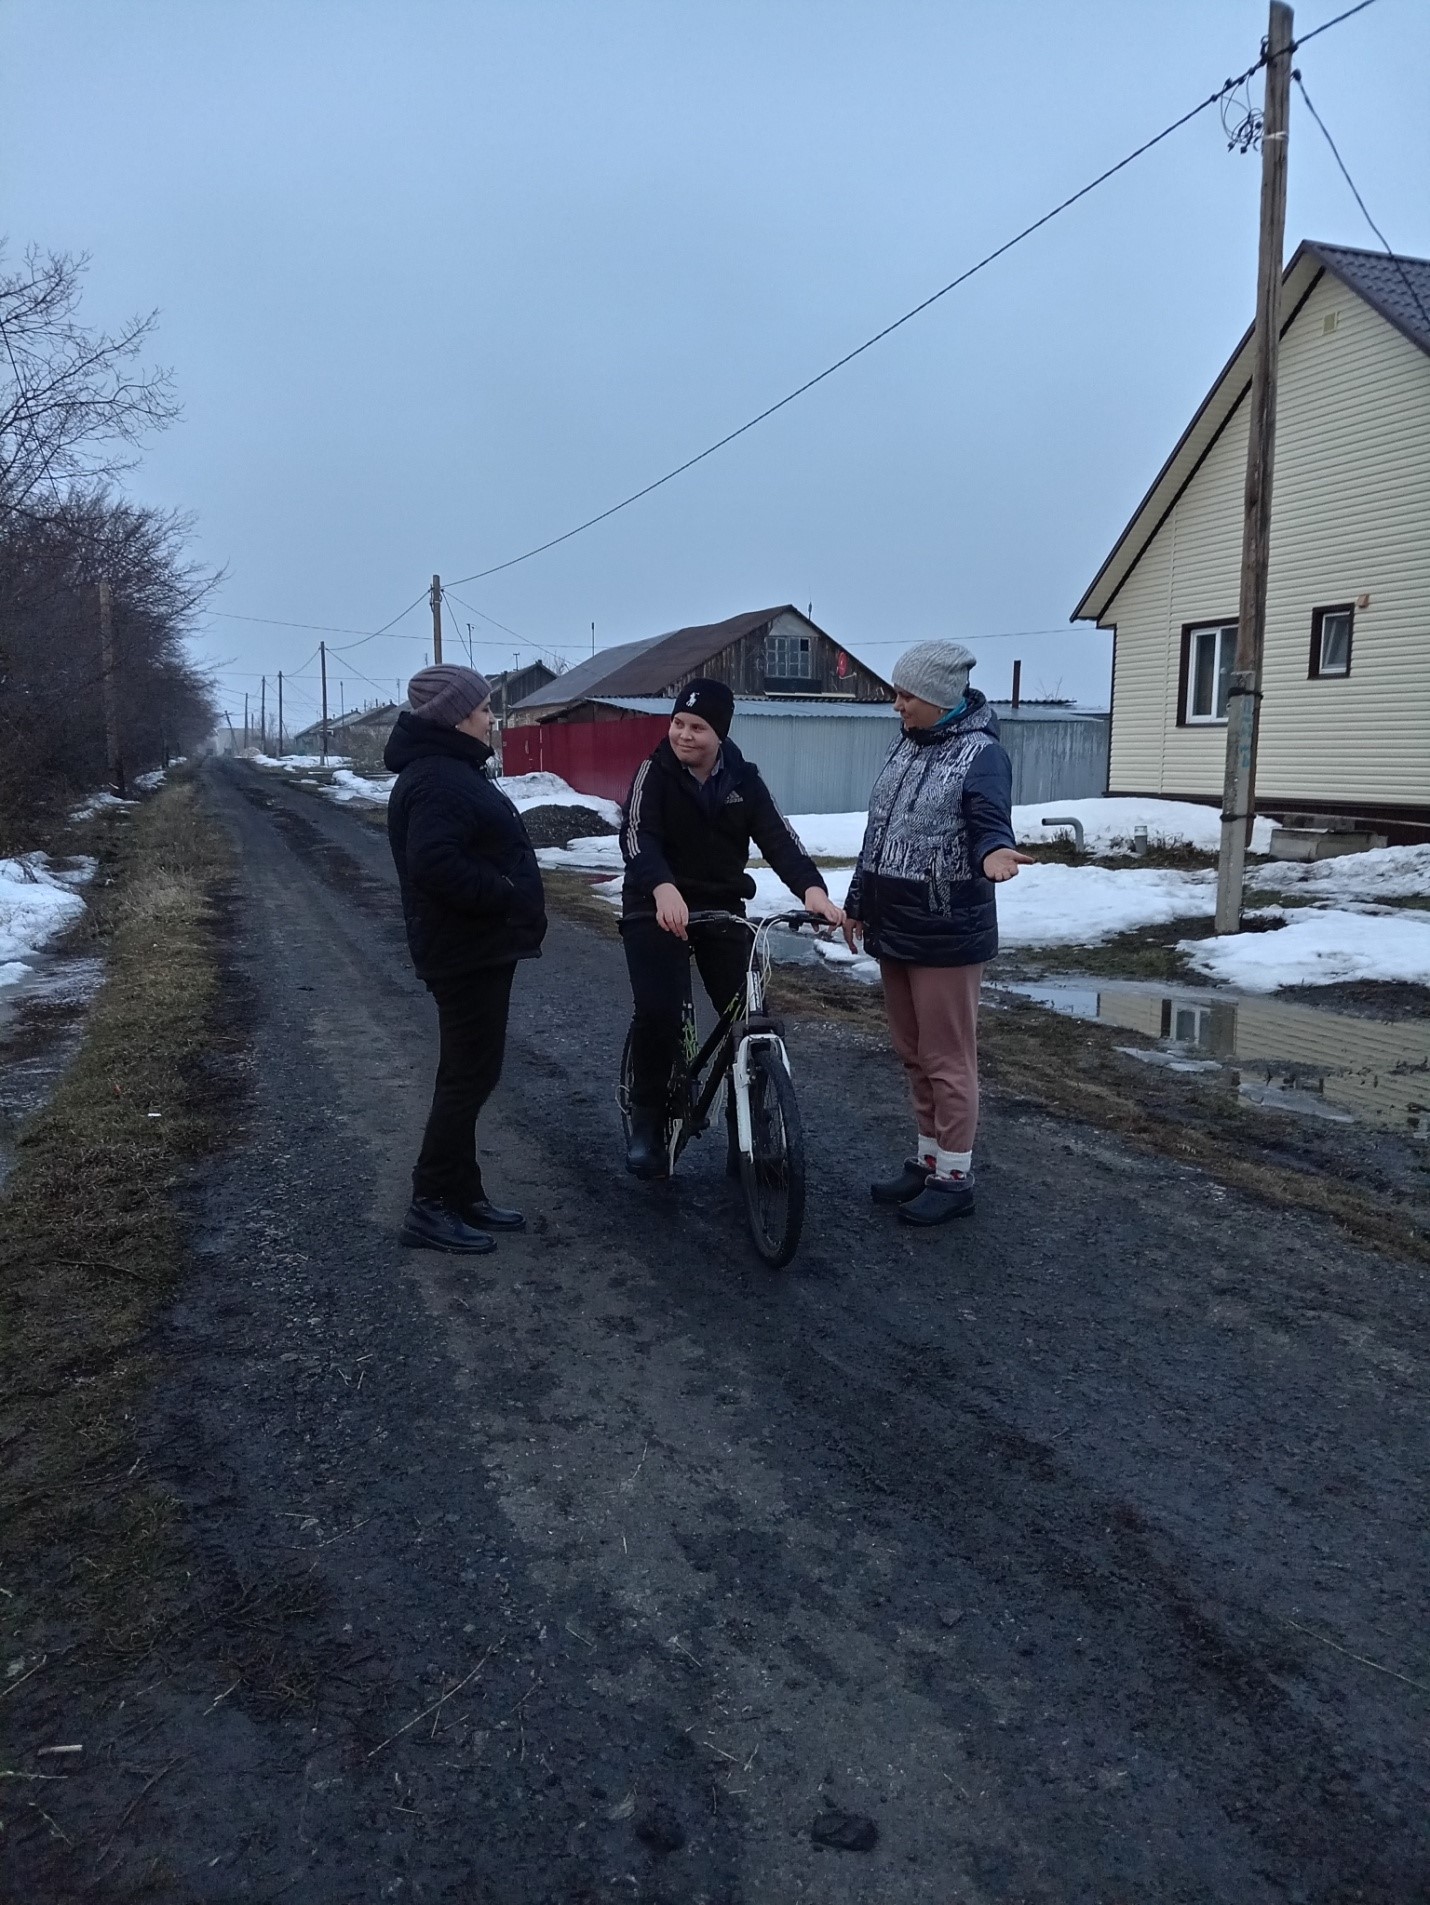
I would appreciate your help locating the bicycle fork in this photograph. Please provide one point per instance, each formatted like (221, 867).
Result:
(740, 1075)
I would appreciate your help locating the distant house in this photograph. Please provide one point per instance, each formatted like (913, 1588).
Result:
(514, 684)
(1345, 720)
(595, 723)
(359, 732)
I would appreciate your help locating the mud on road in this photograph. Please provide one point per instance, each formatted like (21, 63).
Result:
(1079, 1549)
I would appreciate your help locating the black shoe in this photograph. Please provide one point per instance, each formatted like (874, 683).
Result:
(645, 1149)
(487, 1216)
(429, 1225)
(898, 1190)
(940, 1199)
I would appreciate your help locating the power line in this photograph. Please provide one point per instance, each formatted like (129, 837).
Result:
(1228, 86)
(1355, 193)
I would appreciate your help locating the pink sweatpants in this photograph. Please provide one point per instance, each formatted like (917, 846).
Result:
(933, 1019)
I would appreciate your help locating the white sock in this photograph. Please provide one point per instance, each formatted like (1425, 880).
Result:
(927, 1152)
(953, 1163)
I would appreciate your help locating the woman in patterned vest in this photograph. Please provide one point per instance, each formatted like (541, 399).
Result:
(938, 840)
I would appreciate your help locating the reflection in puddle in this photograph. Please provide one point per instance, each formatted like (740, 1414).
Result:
(1286, 1057)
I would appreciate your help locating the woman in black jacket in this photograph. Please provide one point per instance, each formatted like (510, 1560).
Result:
(473, 904)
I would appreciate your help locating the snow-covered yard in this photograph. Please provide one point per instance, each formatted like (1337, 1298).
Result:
(1053, 904)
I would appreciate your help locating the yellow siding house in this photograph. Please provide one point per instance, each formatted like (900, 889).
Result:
(1345, 719)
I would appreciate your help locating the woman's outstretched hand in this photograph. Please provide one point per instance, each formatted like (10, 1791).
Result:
(1003, 863)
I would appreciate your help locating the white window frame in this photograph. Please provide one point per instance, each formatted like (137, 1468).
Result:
(799, 648)
(1319, 617)
(1193, 633)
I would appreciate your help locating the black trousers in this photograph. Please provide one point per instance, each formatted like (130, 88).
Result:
(659, 966)
(471, 1021)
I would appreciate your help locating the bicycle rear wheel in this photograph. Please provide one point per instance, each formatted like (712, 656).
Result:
(773, 1178)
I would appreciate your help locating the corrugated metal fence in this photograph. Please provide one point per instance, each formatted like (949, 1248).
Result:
(814, 758)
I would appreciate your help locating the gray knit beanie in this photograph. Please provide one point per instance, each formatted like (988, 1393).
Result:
(937, 672)
(446, 693)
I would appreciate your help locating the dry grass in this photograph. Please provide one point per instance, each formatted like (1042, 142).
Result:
(93, 1240)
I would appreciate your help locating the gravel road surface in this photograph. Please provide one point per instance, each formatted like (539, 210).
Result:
(1076, 1553)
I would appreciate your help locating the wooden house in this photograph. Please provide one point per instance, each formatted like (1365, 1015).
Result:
(1345, 719)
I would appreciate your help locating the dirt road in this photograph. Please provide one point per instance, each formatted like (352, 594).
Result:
(1081, 1549)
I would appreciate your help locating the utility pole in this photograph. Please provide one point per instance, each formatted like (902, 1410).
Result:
(263, 714)
(245, 721)
(436, 594)
(280, 714)
(593, 638)
(1017, 682)
(110, 685)
(1243, 706)
(323, 667)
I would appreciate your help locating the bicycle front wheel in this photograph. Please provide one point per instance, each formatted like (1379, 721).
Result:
(773, 1178)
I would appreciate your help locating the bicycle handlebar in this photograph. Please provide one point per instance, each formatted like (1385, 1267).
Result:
(795, 919)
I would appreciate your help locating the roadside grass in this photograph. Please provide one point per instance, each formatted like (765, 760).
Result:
(573, 897)
(93, 1242)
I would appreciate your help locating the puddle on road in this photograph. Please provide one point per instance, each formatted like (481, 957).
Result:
(1286, 1057)
(42, 1021)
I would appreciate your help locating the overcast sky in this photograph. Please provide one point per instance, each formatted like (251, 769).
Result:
(437, 281)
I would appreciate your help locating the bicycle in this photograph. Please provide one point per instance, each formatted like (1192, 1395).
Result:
(745, 1053)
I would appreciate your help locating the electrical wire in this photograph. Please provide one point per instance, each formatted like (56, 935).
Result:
(1407, 280)
(1228, 86)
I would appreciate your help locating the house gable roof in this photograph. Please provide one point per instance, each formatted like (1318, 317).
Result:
(1397, 288)
(651, 667)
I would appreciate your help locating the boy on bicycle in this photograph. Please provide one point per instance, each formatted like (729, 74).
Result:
(694, 806)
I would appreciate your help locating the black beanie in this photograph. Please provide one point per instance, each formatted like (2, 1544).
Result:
(710, 700)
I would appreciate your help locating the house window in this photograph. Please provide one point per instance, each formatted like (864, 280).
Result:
(789, 658)
(1331, 642)
(1208, 653)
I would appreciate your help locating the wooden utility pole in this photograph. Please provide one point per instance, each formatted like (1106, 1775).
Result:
(245, 721)
(280, 714)
(109, 686)
(323, 666)
(1243, 706)
(1017, 683)
(436, 596)
(263, 714)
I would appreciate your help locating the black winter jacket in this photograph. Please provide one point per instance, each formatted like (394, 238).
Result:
(471, 891)
(669, 834)
(941, 805)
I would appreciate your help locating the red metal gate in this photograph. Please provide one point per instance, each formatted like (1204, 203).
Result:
(595, 757)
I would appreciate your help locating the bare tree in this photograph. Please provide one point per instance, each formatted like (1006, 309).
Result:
(74, 400)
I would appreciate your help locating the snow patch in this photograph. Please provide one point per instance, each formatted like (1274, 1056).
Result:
(1109, 823)
(98, 804)
(1320, 947)
(36, 905)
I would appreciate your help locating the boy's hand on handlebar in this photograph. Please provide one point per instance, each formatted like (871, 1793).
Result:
(818, 902)
(672, 915)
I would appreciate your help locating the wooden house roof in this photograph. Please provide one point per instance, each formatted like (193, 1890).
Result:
(1398, 288)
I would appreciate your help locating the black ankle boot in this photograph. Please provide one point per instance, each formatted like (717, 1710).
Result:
(908, 1184)
(429, 1225)
(645, 1150)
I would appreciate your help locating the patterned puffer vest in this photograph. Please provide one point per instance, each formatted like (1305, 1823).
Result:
(938, 808)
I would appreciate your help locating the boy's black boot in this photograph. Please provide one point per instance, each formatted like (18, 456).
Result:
(645, 1149)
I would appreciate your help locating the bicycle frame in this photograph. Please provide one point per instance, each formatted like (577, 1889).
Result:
(727, 1049)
